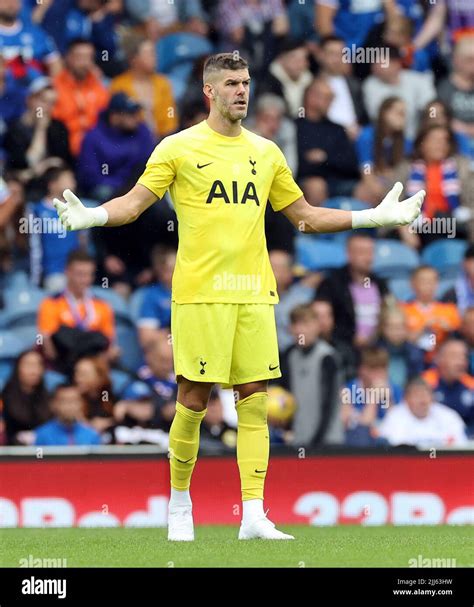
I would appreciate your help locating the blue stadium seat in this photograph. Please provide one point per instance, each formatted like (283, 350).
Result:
(345, 203)
(22, 297)
(6, 369)
(52, 379)
(315, 254)
(445, 255)
(131, 357)
(393, 259)
(135, 303)
(17, 280)
(445, 285)
(401, 288)
(176, 54)
(11, 346)
(120, 380)
(116, 301)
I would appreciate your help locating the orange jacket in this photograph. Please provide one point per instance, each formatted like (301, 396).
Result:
(162, 104)
(79, 104)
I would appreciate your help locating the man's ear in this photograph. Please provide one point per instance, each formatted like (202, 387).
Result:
(208, 91)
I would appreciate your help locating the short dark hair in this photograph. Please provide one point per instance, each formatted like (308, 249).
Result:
(77, 42)
(79, 255)
(53, 173)
(64, 386)
(224, 61)
(469, 254)
(417, 382)
(330, 38)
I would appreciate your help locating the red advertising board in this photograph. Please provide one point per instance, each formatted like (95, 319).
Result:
(316, 490)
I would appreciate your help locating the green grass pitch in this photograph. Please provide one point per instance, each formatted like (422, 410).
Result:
(217, 546)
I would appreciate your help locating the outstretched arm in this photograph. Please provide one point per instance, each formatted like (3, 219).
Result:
(389, 213)
(117, 212)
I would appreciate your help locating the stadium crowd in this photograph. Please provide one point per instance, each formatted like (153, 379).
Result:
(376, 329)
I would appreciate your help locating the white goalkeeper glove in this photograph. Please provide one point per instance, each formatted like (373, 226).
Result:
(75, 216)
(390, 212)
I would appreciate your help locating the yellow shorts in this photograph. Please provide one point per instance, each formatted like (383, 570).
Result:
(225, 343)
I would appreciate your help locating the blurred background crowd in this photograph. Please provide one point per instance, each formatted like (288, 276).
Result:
(376, 328)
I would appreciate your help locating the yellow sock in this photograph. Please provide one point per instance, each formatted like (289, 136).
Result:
(184, 445)
(253, 445)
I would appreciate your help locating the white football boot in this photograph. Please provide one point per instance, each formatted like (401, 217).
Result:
(263, 529)
(180, 524)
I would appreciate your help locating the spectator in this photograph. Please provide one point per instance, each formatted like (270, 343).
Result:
(25, 399)
(81, 94)
(446, 178)
(253, 27)
(327, 162)
(161, 17)
(455, 17)
(466, 333)
(349, 21)
(66, 428)
(462, 294)
(405, 359)
(452, 384)
(215, 433)
(380, 148)
(95, 20)
(421, 421)
(366, 399)
(288, 76)
(75, 323)
(36, 141)
(356, 294)
(437, 112)
(92, 378)
(25, 46)
(457, 91)
(389, 79)
(347, 107)
(347, 354)
(270, 122)
(49, 248)
(311, 372)
(151, 90)
(291, 294)
(155, 311)
(429, 321)
(12, 98)
(136, 417)
(122, 142)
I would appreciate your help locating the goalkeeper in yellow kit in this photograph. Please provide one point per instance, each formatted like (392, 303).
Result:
(220, 177)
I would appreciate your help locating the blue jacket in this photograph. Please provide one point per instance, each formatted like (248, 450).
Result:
(55, 433)
(123, 155)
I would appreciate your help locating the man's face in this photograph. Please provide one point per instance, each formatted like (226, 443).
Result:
(394, 329)
(376, 376)
(468, 326)
(65, 181)
(281, 266)
(425, 284)
(269, 120)
(319, 98)
(360, 254)
(325, 316)
(164, 269)
(89, 6)
(9, 10)
(331, 59)
(229, 91)
(295, 62)
(418, 399)
(159, 358)
(67, 405)
(80, 60)
(305, 331)
(128, 123)
(452, 361)
(80, 276)
(464, 58)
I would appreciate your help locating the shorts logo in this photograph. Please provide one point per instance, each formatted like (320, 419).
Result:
(203, 364)
(270, 368)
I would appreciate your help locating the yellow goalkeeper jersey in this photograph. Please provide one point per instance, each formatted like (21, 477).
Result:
(220, 186)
